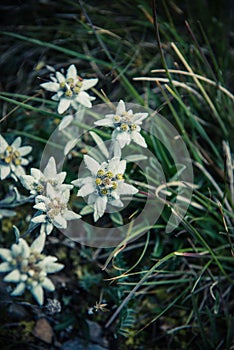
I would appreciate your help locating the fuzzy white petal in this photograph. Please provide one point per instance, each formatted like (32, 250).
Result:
(25, 150)
(88, 83)
(20, 288)
(51, 191)
(86, 190)
(127, 189)
(91, 164)
(120, 108)
(5, 267)
(65, 122)
(39, 243)
(25, 250)
(72, 72)
(61, 177)
(48, 228)
(122, 166)
(139, 117)
(117, 166)
(65, 196)
(13, 276)
(40, 206)
(19, 171)
(50, 86)
(24, 161)
(60, 77)
(41, 198)
(71, 215)
(5, 254)
(36, 173)
(16, 144)
(16, 250)
(69, 146)
(50, 169)
(84, 99)
(60, 222)
(39, 219)
(54, 267)
(64, 104)
(5, 171)
(48, 285)
(99, 207)
(57, 96)
(38, 294)
(136, 137)
(82, 181)
(47, 261)
(123, 138)
(3, 144)
(105, 122)
(117, 203)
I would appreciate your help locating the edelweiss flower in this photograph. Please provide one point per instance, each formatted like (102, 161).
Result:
(126, 124)
(36, 182)
(105, 185)
(54, 207)
(27, 267)
(11, 158)
(70, 90)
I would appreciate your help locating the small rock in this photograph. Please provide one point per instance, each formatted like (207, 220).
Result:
(43, 330)
(96, 335)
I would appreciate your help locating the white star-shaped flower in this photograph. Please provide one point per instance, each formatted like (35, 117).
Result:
(12, 158)
(105, 185)
(27, 267)
(37, 182)
(70, 90)
(126, 125)
(54, 210)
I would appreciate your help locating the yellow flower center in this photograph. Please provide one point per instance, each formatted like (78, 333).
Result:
(98, 181)
(11, 156)
(55, 207)
(109, 174)
(71, 86)
(100, 172)
(124, 127)
(114, 185)
(104, 191)
(70, 81)
(119, 176)
(17, 161)
(117, 118)
(62, 85)
(68, 93)
(106, 182)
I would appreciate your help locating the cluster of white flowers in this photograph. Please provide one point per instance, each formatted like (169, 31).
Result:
(70, 90)
(54, 210)
(105, 185)
(126, 126)
(37, 182)
(51, 197)
(26, 265)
